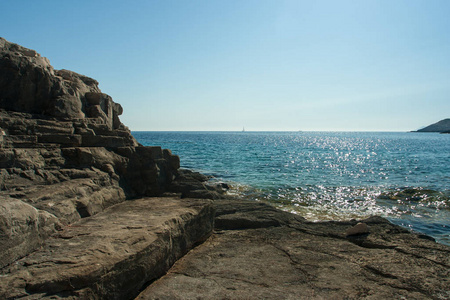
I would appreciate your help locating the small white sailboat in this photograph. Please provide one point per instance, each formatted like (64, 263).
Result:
(243, 129)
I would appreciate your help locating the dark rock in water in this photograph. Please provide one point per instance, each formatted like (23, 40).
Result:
(442, 126)
(413, 195)
(195, 185)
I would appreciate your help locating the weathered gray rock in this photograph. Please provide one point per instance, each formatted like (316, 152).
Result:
(358, 229)
(28, 83)
(64, 154)
(23, 228)
(238, 214)
(191, 184)
(295, 259)
(113, 254)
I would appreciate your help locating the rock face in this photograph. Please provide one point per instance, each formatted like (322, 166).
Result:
(442, 126)
(113, 254)
(258, 252)
(30, 84)
(64, 153)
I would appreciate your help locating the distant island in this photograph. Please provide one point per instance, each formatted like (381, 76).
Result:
(442, 126)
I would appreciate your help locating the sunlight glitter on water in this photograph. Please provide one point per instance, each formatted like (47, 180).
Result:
(327, 175)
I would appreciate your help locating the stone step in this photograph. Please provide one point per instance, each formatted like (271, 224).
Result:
(112, 255)
(53, 123)
(62, 139)
(53, 129)
(19, 141)
(106, 141)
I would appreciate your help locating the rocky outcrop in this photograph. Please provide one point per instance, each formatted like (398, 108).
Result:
(30, 84)
(189, 184)
(112, 255)
(64, 154)
(67, 165)
(442, 126)
(258, 252)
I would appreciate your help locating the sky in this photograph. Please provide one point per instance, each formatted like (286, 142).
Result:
(264, 65)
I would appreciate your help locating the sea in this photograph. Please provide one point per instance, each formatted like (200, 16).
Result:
(402, 176)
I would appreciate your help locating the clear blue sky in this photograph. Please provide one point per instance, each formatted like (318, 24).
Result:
(266, 65)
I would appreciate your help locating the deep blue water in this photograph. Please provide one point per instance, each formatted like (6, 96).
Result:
(328, 175)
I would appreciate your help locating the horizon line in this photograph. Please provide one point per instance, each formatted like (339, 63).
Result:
(293, 131)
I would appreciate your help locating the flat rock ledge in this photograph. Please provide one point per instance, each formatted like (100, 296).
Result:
(258, 252)
(112, 255)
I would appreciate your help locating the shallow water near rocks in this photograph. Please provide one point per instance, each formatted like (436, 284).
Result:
(404, 177)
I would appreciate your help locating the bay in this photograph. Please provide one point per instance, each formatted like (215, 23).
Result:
(404, 177)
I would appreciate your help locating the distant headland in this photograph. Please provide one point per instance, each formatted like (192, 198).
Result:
(443, 126)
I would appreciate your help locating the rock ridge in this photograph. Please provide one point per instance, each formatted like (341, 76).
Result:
(64, 154)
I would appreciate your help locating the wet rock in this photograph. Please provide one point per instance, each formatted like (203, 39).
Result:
(196, 185)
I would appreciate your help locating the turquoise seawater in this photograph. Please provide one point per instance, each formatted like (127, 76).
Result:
(404, 177)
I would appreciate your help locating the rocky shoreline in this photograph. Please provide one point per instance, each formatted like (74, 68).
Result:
(86, 212)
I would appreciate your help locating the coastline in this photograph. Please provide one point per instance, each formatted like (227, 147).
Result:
(396, 175)
(257, 252)
(89, 213)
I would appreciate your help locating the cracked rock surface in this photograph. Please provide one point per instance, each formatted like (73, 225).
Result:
(295, 259)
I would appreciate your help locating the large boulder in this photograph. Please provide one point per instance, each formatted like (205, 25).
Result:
(22, 228)
(112, 255)
(30, 84)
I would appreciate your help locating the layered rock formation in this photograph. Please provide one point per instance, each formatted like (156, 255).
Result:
(64, 155)
(113, 254)
(67, 165)
(443, 126)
